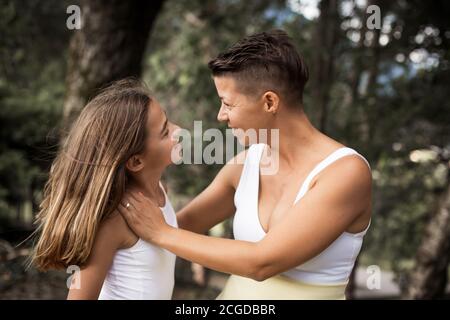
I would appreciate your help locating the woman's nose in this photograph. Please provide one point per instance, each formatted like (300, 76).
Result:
(222, 115)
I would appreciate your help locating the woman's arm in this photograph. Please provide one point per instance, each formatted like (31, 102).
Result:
(309, 227)
(90, 279)
(216, 203)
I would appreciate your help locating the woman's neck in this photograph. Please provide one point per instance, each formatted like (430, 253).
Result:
(299, 139)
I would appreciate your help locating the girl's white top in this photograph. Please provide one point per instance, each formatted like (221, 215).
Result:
(144, 271)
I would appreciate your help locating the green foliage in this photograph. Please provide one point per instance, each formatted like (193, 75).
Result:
(31, 96)
(404, 107)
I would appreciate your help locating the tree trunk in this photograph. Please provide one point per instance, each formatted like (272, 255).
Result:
(326, 39)
(358, 61)
(367, 125)
(428, 279)
(109, 46)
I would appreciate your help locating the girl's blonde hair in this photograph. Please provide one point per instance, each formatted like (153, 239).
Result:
(88, 177)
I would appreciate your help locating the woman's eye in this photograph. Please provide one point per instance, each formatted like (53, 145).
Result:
(166, 133)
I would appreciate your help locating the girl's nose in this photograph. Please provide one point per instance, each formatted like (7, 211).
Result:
(176, 133)
(176, 127)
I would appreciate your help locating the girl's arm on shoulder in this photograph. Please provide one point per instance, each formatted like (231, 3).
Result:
(111, 236)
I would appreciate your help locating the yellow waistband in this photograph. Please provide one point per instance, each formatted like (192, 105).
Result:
(279, 288)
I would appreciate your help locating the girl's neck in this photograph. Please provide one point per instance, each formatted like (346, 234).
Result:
(149, 185)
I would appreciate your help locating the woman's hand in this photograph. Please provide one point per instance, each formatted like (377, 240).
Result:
(143, 216)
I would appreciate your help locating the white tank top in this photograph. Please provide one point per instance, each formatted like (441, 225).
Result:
(331, 266)
(143, 271)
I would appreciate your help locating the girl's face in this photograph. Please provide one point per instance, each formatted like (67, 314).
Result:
(240, 111)
(161, 145)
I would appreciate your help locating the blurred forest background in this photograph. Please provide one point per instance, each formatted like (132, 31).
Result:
(384, 92)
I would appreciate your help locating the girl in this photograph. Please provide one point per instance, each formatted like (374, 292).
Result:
(122, 139)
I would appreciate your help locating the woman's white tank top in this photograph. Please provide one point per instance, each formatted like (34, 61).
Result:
(143, 271)
(331, 266)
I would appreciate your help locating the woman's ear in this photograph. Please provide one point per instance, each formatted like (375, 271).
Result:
(135, 163)
(271, 102)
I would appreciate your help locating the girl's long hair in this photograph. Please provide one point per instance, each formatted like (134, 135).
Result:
(88, 176)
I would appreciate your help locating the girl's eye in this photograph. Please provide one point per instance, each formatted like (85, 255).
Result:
(166, 133)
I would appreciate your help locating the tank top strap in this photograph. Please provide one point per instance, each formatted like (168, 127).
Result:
(166, 198)
(255, 153)
(251, 164)
(336, 155)
(250, 172)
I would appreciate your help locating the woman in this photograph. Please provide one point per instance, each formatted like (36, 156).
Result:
(122, 139)
(298, 231)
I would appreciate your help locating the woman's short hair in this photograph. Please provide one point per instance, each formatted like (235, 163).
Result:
(265, 61)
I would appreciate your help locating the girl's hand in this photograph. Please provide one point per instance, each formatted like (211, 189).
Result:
(143, 216)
